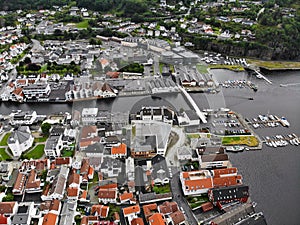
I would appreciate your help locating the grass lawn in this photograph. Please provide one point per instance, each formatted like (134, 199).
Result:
(162, 189)
(4, 139)
(250, 141)
(193, 135)
(196, 201)
(202, 68)
(35, 153)
(274, 64)
(83, 25)
(229, 67)
(3, 155)
(67, 153)
(41, 139)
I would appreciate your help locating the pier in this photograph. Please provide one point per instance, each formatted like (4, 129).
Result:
(261, 76)
(194, 105)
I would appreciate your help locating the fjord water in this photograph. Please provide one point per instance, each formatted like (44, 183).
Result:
(272, 174)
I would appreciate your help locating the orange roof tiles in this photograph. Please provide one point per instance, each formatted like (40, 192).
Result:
(219, 172)
(74, 178)
(107, 194)
(83, 194)
(137, 221)
(7, 207)
(119, 150)
(131, 210)
(3, 219)
(168, 207)
(20, 182)
(63, 161)
(49, 219)
(91, 171)
(126, 196)
(157, 219)
(227, 181)
(100, 210)
(87, 131)
(72, 192)
(54, 205)
(198, 184)
(85, 166)
(185, 175)
(149, 209)
(177, 217)
(109, 186)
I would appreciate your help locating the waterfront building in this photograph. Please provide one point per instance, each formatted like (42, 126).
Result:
(89, 116)
(37, 91)
(219, 196)
(23, 118)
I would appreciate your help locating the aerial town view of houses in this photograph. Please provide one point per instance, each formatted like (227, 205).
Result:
(101, 118)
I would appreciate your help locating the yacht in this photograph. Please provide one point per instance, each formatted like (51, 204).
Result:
(284, 122)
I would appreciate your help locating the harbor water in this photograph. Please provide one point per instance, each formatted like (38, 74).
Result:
(272, 174)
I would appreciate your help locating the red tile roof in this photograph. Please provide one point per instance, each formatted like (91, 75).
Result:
(131, 210)
(54, 205)
(7, 207)
(198, 184)
(107, 194)
(227, 181)
(119, 150)
(126, 196)
(149, 209)
(63, 161)
(137, 221)
(49, 219)
(177, 217)
(168, 207)
(219, 172)
(72, 192)
(100, 210)
(3, 219)
(20, 182)
(74, 178)
(87, 131)
(156, 219)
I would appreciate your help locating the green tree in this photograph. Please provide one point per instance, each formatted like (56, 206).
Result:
(46, 128)
(8, 198)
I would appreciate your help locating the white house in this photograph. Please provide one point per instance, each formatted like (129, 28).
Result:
(23, 118)
(53, 146)
(20, 140)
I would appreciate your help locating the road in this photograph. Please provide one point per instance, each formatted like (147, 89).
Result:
(171, 156)
(179, 197)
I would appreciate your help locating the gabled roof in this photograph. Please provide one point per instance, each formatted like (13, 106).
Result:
(156, 219)
(49, 219)
(86, 131)
(120, 149)
(107, 194)
(177, 217)
(137, 221)
(131, 210)
(74, 178)
(7, 207)
(100, 210)
(72, 192)
(198, 184)
(3, 219)
(126, 196)
(168, 207)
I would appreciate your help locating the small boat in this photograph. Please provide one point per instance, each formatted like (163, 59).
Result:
(284, 122)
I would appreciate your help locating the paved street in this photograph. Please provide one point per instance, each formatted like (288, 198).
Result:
(179, 197)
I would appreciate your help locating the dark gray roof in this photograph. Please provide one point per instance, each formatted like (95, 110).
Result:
(21, 135)
(160, 168)
(52, 142)
(230, 193)
(94, 148)
(192, 115)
